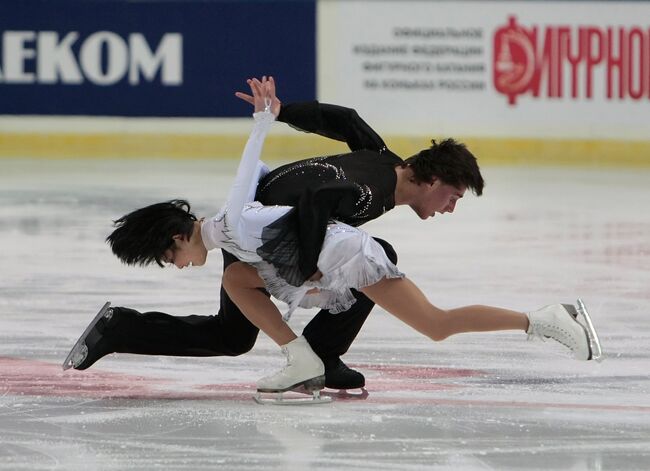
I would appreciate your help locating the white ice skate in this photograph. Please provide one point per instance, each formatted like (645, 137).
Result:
(304, 370)
(562, 323)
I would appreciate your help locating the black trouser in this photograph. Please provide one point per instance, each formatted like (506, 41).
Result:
(229, 332)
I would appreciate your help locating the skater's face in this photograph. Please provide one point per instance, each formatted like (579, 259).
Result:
(436, 197)
(186, 252)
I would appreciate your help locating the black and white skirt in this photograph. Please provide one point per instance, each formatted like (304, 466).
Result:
(349, 258)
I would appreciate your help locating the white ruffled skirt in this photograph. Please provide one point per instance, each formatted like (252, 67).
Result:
(349, 258)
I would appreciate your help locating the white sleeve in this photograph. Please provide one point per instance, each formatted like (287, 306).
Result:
(239, 192)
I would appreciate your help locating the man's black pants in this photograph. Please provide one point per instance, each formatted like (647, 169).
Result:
(229, 332)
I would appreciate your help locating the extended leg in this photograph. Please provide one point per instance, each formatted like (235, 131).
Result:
(404, 300)
(156, 333)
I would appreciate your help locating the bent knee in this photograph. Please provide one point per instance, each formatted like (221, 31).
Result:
(240, 274)
(440, 328)
(438, 336)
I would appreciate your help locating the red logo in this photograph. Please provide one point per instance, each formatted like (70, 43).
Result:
(514, 60)
(568, 61)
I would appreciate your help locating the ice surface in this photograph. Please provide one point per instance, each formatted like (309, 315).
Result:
(479, 401)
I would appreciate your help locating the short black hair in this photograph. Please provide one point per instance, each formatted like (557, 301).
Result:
(450, 161)
(142, 236)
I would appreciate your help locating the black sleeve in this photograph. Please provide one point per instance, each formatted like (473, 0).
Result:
(334, 200)
(293, 243)
(332, 121)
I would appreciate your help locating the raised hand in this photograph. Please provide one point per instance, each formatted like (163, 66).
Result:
(261, 90)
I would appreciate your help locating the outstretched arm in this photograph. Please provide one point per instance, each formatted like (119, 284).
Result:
(263, 91)
(331, 121)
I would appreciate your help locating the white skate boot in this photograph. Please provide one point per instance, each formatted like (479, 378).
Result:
(304, 369)
(560, 323)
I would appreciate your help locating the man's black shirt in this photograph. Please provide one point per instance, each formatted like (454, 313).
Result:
(353, 188)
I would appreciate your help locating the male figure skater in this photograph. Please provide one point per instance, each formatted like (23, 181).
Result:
(354, 188)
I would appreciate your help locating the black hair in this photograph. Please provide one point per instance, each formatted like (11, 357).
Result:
(450, 161)
(142, 236)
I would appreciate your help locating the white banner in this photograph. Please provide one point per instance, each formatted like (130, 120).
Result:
(489, 69)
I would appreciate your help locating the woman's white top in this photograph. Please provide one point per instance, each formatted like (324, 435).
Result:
(349, 257)
(237, 228)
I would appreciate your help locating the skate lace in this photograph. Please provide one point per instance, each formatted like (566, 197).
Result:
(534, 334)
(286, 353)
(559, 335)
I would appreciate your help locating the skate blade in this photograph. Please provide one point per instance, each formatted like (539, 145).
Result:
(357, 394)
(360, 394)
(281, 400)
(67, 363)
(313, 384)
(594, 341)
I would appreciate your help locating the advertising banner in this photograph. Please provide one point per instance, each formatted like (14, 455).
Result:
(529, 69)
(150, 58)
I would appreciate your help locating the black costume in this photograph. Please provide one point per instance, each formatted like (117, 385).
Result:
(354, 188)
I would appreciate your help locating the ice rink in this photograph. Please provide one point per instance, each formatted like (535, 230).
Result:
(473, 402)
